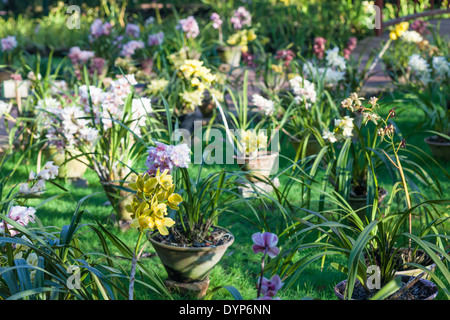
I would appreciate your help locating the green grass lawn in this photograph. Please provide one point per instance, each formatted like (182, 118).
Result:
(239, 267)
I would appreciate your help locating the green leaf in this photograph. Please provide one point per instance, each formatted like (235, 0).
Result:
(390, 288)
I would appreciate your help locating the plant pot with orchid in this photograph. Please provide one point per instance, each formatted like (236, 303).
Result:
(251, 133)
(197, 84)
(120, 123)
(241, 33)
(194, 243)
(310, 110)
(429, 90)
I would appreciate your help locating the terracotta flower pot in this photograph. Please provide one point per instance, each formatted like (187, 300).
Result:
(230, 55)
(261, 165)
(440, 150)
(190, 264)
(430, 286)
(73, 169)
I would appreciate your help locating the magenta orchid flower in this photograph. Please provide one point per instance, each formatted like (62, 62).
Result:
(266, 243)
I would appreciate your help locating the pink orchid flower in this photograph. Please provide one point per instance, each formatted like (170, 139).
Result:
(265, 242)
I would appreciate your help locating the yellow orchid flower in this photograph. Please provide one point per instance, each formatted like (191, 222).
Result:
(174, 200)
(251, 35)
(162, 225)
(399, 30)
(160, 210)
(164, 179)
(142, 223)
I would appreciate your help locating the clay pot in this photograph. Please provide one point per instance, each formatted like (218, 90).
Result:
(190, 264)
(440, 150)
(230, 55)
(340, 288)
(72, 169)
(259, 166)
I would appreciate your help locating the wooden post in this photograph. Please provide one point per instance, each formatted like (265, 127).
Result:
(380, 5)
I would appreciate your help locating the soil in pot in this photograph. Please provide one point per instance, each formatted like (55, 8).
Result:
(440, 147)
(422, 290)
(216, 237)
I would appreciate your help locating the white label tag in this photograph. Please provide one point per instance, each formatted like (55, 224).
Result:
(10, 86)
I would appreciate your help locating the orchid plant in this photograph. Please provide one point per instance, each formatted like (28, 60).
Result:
(204, 198)
(198, 84)
(239, 26)
(310, 109)
(148, 208)
(8, 48)
(367, 141)
(121, 121)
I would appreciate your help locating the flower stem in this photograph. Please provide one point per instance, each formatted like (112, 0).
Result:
(262, 274)
(408, 200)
(133, 267)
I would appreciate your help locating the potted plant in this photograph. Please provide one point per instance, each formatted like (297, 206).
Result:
(251, 133)
(253, 156)
(438, 115)
(429, 91)
(373, 251)
(310, 110)
(121, 122)
(62, 123)
(198, 83)
(355, 163)
(230, 51)
(195, 243)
